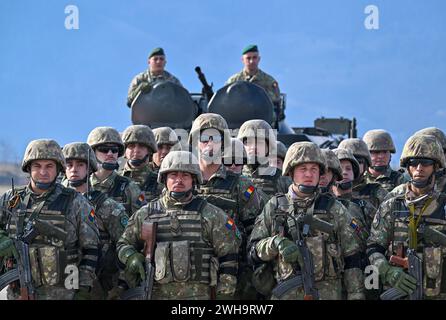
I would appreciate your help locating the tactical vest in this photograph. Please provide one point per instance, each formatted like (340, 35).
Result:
(325, 249)
(220, 192)
(368, 192)
(48, 255)
(389, 183)
(117, 192)
(433, 256)
(150, 187)
(267, 183)
(181, 253)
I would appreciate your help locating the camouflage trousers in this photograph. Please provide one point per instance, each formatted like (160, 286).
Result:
(245, 290)
(181, 291)
(45, 293)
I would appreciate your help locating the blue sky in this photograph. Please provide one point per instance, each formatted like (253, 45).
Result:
(58, 83)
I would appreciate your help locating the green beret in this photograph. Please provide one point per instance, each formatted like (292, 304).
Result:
(157, 52)
(250, 48)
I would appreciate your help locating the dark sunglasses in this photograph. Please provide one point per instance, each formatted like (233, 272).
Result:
(206, 138)
(105, 149)
(423, 162)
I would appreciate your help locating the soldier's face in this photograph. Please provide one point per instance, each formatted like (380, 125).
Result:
(421, 171)
(44, 171)
(107, 153)
(326, 178)
(210, 145)
(380, 158)
(178, 181)
(136, 151)
(307, 174)
(76, 169)
(157, 64)
(347, 170)
(251, 60)
(163, 151)
(257, 147)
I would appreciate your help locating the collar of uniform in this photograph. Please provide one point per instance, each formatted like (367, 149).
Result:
(43, 196)
(221, 172)
(171, 203)
(384, 175)
(127, 168)
(161, 76)
(106, 183)
(302, 202)
(410, 196)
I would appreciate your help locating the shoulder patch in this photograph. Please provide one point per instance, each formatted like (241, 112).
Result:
(230, 225)
(92, 216)
(124, 220)
(248, 192)
(376, 220)
(141, 199)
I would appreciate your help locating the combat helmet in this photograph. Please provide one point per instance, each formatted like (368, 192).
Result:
(379, 140)
(43, 149)
(81, 151)
(252, 129)
(358, 147)
(104, 135)
(346, 154)
(437, 133)
(425, 147)
(303, 152)
(333, 163)
(168, 136)
(141, 134)
(183, 161)
(207, 121)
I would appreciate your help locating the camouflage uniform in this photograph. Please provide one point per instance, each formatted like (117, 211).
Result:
(77, 244)
(143, 176)
(371, 192)
(380, 140)
(336, 256)
(144, 80)
(111, 219)
(266, 178)
(236, 195)
(119, 188)
(196, 242)
(261, 79)
(392, 227)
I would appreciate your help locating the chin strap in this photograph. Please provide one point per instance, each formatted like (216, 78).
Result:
(138, 162)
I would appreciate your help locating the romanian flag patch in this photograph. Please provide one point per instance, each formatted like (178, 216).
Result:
(141, 199)
(359, 230)
(230, 224)
(249, 192)
(91, 215)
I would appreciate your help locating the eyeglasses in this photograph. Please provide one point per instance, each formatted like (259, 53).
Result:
(207, 138)
(106, 149)
(423, 162)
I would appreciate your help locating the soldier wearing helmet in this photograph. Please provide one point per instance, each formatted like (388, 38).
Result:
(108, 147)
(140, 145)
(404, 224)
(374, 193)
(332, 173)
(188, 226)
(34, 213)
(166, 140)
(111, 216)
(277, 230)
(235, 194)
(277, 161)
(381, 147)
(260, 144)
(144, 81)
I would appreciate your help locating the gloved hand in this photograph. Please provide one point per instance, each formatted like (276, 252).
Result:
(82, 294)
(135, 265)
(7, 248)
(401, 280)
(287, 249)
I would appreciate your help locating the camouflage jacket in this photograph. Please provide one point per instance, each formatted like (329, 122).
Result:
(388, 180)
(145, 178)
(194, 236)
(390, 232)
(49, 252)
(372, 192)
(236, 195)
(440, 186)
(262, 79)
(154, 167)
(121, 189)
(335, 256)
(270, 182)
(147, 77)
